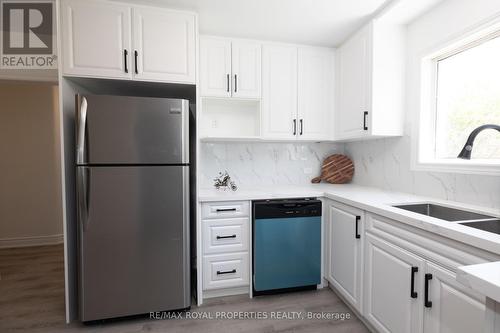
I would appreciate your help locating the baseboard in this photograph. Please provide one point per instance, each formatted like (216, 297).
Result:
(31, 241)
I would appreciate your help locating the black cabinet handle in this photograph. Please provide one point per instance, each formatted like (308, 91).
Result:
(357, 227)
(136, 54)
(224, 237)
(226, 272)
(427, 303)
(295, 127)
(235, 83)
(125, 56)
(225, 210)
(413, 293)
(301, 126)
(365, 114)
(227, 79)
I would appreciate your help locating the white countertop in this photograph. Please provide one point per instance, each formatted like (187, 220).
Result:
(376, 201)
(483, 278)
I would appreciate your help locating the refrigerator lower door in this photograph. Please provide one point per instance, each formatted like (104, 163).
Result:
(133, 240)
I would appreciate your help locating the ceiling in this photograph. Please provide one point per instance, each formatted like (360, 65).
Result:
(314, 22)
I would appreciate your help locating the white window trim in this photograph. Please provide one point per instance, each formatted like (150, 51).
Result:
(422, 153)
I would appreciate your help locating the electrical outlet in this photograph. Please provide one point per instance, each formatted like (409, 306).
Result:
(214, 123)
(308, 171)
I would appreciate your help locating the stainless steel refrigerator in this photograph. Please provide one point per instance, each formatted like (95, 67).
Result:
(132, 166)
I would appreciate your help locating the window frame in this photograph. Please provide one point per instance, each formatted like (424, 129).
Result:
(423, 157)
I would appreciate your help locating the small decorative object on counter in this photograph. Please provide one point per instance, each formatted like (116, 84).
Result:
(336, 169)
(223, 182)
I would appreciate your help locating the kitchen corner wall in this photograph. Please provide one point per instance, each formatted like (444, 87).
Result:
(253, 164)
(385, 163)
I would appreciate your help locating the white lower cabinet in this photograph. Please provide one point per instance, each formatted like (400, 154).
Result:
(392, 304)
(345, 255)
(225, 271)
(225, 234)
(400, 279)
(452, 308)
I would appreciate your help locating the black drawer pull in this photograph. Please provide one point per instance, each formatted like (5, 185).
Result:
(224, 237)
(413, 293)
(427, 303)
(225, 210)
(357, 227)
(125, 56)
(365, 114)
(226, 272)
(136, 54)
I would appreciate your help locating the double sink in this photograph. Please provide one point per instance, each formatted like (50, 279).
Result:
(464, 217)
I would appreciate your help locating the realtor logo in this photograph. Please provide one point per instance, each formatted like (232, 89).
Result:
(27, 34)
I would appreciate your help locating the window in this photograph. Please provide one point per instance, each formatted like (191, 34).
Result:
(467, 96)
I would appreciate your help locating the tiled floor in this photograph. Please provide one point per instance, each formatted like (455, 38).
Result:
(32, 300)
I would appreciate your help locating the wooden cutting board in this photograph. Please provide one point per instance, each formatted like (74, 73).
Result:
(336, 169)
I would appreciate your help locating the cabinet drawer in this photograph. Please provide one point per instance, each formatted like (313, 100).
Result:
(226, 235)
(225, 271)
(219, 210)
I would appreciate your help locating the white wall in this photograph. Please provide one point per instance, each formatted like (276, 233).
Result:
(30, 190)
(386, 163)
(264, 164)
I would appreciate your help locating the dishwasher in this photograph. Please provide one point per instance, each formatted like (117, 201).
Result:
(286, 245)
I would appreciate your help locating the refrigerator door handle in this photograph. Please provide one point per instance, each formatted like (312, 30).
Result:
(82, 123)
(83, 196)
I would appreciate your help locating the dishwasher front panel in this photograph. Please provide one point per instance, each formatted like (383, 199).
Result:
(286, 250)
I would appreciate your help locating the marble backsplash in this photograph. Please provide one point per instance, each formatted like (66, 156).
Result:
(382, 163)
(385, 163)
(252, 164)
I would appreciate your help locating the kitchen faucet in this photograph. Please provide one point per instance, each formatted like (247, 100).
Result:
(467, 149)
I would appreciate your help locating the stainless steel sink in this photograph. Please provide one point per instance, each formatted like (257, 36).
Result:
(443, 212)
(490, 226)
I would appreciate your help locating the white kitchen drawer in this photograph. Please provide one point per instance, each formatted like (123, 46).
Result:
(226, 235)
(225, 271)
(217, 210)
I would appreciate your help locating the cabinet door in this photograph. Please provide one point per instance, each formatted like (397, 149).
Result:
(279, 91)
(165, 44)
(246, 68)
(315, 93)
(215, 67)
(96, 39)
(353, 86)
(345, 239)
(453, 308)
(388, 302)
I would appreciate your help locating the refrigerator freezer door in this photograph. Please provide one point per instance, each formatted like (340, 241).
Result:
(133, 240)
(132, 130)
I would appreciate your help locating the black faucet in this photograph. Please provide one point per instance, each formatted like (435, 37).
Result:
(467, 149)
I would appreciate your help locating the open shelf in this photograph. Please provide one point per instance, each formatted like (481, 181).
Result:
(230, 118)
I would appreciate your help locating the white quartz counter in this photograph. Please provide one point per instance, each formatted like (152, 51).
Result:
(483, 278)
(376, 201)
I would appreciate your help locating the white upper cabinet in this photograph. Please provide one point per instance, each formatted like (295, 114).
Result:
(353, 59)
(114, 40)
(370, 74)
(315, 93)
(96, 39)
(215, 67)
(246, 68)
(279, 92)
(293, 84)
(165, 44)
(230, 68)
